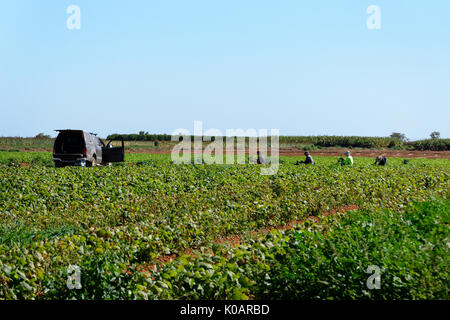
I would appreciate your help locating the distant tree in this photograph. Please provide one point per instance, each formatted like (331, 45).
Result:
(435, 135)
(398, 136)
(42, 136)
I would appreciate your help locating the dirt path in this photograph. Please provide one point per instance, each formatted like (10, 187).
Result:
(327, 152)
(339, 152)
(370, 153)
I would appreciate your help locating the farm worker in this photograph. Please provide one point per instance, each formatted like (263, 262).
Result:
(260, 159)
(348, 160)
(381, 160)
(309, 159)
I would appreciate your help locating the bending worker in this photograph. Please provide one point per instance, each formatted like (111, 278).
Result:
(348, 160)
(260, 159)
(309, 159)
(381, 160)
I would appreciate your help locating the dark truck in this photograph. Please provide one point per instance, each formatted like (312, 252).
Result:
(81, 148)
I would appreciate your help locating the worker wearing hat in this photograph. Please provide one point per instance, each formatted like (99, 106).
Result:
(348, 160)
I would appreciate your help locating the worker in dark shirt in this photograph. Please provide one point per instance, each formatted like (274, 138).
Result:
(260, 159)
(309, 159)
(381, 160)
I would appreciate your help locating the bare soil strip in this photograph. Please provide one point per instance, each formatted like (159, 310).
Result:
(338, 152)
(295, 152)
(370, 153)
(236, 240)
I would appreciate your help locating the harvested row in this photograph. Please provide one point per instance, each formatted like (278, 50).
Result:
(331, 259)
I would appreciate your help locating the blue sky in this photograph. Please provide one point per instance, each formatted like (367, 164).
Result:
(304, 67)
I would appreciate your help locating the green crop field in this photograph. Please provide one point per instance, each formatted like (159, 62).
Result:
(150, 229)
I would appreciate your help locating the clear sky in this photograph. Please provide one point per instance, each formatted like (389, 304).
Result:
(304, 67)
